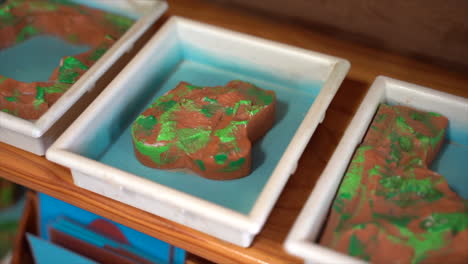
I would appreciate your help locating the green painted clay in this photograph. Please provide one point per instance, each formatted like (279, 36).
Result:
(357, 248)
(402, 184)
(40, 92)
(69, 71)
(189, 140)
(27, 32)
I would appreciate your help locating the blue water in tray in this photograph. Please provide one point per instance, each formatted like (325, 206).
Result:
(452, 162)
(240, 194)
(35, 59)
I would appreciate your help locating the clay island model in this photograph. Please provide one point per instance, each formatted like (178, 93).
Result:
(77, 24)
(390, 208)
(206, 130)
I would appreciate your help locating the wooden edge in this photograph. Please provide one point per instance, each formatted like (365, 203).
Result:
(194, 259)
(28, 224)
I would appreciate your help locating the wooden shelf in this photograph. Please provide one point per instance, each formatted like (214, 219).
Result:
(194, 259)
(39, 174)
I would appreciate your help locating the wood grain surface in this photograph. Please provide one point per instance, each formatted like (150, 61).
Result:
(39, 174)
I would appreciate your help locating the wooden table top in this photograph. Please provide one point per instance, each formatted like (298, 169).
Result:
(366, 63)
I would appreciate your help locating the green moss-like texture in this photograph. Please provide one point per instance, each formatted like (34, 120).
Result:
(203, 129)
(390, 208)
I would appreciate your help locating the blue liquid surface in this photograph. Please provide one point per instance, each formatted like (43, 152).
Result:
(452, 163)
(35, 59)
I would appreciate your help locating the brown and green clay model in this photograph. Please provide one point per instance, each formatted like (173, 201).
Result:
(390, 208)
(206, 130)
(77, 24)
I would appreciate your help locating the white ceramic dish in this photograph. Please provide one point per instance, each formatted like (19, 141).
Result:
(302, 240)
(98, 148)
(36, 136)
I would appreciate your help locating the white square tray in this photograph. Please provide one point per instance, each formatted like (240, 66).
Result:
(98, 149)
(37, 135)
(302, 238)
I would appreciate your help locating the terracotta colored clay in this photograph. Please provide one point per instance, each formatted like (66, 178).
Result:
(207, 130)
(23, 19)
(390, 207)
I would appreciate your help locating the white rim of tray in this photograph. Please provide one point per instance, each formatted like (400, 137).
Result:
(257, 216)
(37, 128)
(301, 239)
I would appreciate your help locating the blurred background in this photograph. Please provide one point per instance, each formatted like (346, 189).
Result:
(429, 30)
(11, 205)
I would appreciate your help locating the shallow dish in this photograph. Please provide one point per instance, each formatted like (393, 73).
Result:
(450, 162)
(98, 146)
(37, 135)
